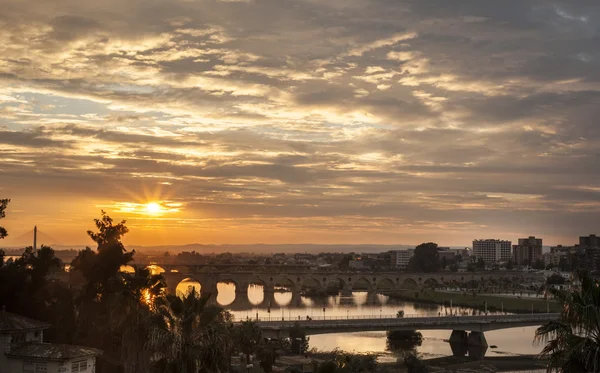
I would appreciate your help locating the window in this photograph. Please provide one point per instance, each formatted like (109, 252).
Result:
(79, 366)
(40, 368)
(18, 338)
(28, 367)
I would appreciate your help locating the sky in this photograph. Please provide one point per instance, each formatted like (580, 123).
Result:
(333, 121)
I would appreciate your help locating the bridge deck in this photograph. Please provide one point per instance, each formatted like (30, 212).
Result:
(478, 323)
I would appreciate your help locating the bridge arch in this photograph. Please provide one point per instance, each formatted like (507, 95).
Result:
(409, 282)
(431, 282)
(226, 291)
(361, 283)
(155, 269)
(385, 284)
(284, 282)
(335, 283)
(310, 283)
(185, 286)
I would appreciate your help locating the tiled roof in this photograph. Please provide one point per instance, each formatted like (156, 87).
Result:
(11, 322)
(51, 351)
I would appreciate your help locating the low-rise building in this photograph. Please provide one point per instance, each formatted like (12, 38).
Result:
(22, 349)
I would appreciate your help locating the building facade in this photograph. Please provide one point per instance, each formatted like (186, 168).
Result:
(528, 251)
(400, 258)
(492, 251)
(589, 241)
(22, 349)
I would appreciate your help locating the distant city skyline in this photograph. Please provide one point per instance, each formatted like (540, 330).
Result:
(328, 121)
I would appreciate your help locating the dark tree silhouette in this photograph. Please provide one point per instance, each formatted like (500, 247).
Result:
(3, 204)
(425, 259)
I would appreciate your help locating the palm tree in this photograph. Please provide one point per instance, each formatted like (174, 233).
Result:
(247, 337)
(187, 336)
(573, 344)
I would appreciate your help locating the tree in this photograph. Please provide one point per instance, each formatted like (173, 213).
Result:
(414, 365)
(480, 263)
(267, 354)
(563, 264)
(443, 263)
(573, 343)
(344, 263)
(3, 204)
(111, 307)
(425, 258)
(471, 267)
(555, 279)
(247, 336)
(298, 340)
(327, 366)
(510, 265)
(538, 264)
(188, 336)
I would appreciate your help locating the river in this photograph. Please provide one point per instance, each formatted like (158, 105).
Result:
(516, 341)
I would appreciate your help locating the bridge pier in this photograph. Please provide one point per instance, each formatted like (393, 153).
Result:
(477, 339)
(458, 336)
(241, 288)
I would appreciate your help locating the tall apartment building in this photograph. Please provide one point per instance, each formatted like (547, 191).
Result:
(590, 258)
(400, 258)
(492, 251)
(589, 241)
(527, 251)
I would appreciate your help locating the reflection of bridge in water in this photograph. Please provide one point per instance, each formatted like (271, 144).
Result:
(460, 341)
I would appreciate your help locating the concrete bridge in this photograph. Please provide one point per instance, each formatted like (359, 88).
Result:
(460, 325)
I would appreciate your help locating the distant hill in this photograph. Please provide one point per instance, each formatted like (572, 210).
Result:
(272, 248)
(26, 239)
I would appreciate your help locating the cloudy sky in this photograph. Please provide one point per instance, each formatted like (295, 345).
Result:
(328, 121)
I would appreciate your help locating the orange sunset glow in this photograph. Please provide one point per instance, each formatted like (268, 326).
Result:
(325, 122)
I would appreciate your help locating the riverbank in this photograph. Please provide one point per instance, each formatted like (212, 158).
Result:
(452, 364)
(494, 303)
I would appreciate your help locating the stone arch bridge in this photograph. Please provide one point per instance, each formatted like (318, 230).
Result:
(344, 281)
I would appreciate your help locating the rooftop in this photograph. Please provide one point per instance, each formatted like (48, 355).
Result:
(11, 322)
(51, 351)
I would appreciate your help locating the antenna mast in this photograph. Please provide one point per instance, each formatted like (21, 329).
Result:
(35, 238)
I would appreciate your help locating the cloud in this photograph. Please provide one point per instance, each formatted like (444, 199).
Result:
(446, 119)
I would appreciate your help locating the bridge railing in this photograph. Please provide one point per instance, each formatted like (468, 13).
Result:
(408, 318)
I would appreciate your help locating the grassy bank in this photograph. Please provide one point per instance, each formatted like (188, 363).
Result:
(494, 303)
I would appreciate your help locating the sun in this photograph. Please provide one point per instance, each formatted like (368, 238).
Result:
(153, 208)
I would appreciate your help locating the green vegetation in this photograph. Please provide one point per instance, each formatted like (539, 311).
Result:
(494, 303)
(127, 315)
(573, 344)
(340, 362)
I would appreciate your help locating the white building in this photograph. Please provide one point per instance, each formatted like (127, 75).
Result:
(492, 251)
(400, 258)
(22, 349)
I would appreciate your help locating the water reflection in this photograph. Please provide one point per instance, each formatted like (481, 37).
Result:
(288, 305)
(225, 293)
(185, 287)
(255, 294)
